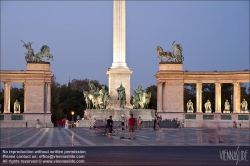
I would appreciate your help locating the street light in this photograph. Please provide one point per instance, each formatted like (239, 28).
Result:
(72, 113)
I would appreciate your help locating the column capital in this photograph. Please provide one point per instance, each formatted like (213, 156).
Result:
(7, 83)
(236, 83)
(160, 82)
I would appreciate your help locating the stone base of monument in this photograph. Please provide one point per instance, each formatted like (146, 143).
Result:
(226, 112)
(190, 111)
(9, 120)
(99, 114)
(244, 112)
(145, 114)
(207, 120)
(171, 115)
(118, 112)
(208, 112)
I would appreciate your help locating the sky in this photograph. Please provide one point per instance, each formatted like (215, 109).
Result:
(214, 36)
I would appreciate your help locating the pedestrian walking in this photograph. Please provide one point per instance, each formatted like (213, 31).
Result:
(131, 126)
(38, 125)
(183, 124)
(155, 122)
(110, 126)
(94, 123)
(26, 124)
(139, 123)
(59, 124)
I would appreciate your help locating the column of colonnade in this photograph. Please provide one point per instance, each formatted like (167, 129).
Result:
(161, 97)
(7, 97)
(236, 97)
(217, 97)
(48, 96)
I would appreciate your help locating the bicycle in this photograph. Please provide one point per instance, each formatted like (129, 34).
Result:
(103, 130)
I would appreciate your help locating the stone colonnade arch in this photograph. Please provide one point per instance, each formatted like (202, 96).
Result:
(37, 92)
(170, 88)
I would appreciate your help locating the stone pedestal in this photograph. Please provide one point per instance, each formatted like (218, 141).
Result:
(244, 112)
(170, 89)
(99, 114)
(210, 111)
(117, 76)
(190, 111)
(226, 112)
(37, 91)
(121, 111)
(145, 114)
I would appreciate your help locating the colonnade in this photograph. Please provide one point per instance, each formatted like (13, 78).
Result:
(47, 98)
(161, 97)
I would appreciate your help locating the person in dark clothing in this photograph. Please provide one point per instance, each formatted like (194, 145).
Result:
(110, 126)
(155, 122)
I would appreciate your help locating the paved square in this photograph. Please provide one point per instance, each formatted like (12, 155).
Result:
(50, 137)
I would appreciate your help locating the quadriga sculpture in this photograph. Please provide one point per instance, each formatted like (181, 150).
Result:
(162, 54)
(30, 56)
(44, 53)
(175, 55)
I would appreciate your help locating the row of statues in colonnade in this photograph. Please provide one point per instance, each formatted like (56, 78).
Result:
(207, 105)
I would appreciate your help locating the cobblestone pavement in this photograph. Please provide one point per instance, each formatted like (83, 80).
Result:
(77, 137)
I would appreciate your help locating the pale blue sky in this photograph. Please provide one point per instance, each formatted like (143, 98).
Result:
(214, 36)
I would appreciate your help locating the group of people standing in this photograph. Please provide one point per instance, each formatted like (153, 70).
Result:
(157, 120)
(131, 125)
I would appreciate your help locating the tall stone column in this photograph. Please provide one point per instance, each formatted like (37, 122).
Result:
(198, 97)
(236, 97)
(217, 97)
(24, 102)
(119, 72)
(119, 34)
(159, 97)
(7, 97)
(48, 96)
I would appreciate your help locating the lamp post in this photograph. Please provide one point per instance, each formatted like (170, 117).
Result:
(72, 113)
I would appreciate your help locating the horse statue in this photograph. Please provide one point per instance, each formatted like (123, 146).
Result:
(87, 100)
(161, 54)
(142, 100)
(44, 53)
(145, 99)
(98, 101)
(177, 48)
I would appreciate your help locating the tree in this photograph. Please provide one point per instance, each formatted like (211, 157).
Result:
(56, 110)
